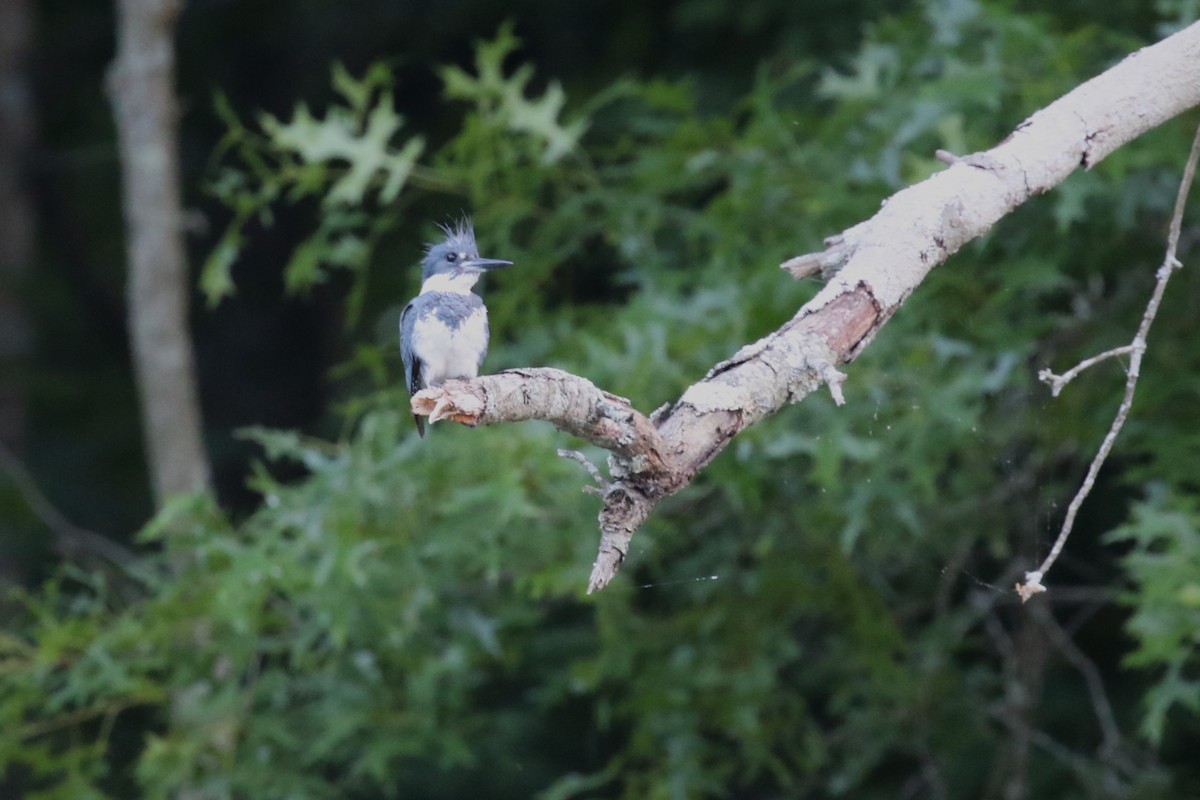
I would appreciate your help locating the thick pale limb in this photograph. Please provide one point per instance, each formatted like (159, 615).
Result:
(571, 403)
(874, 265)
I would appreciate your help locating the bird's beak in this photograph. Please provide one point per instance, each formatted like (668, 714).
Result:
(484, 264)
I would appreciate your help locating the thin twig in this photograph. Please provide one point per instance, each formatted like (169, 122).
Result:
(86, 714)
(1057, 382)
(1109, 731)
(68, 536)
(1060, 752)
(581, 459)
(1136, 349)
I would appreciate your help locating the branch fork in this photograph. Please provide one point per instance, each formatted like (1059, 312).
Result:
(1136, 349)
(870, 268)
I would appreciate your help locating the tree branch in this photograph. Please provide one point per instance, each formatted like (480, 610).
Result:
(70, 540)
(572, 403)
(1110, 732)
(874, 266)
(1136, 350)
(1058, 382)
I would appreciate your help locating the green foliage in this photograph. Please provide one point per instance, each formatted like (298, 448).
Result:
(500, 101)
(325, 641)
(1164, 563)
(406, 617)
(358, 136)
(353, 161)
(348, 160)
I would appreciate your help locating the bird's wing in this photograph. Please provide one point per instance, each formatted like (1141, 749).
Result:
(487, 335)
(412, 363)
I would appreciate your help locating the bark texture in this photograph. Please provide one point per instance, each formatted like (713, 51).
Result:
(873, 267)
(141, 90)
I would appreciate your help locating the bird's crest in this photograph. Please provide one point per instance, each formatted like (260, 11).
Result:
(460, 237)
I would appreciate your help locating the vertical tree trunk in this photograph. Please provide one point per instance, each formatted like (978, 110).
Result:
(16, 215)
(141, 90)
(16, 234)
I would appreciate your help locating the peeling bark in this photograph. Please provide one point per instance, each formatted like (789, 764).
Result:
(872, 268)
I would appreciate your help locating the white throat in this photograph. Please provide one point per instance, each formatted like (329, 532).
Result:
(459, 282)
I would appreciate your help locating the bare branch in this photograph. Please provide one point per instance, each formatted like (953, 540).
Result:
(919, 227)
(874, 266)
(1136, 349)
(1110, 732)
(69, 538)
(571, 403)
(580, 459)
(1057, 382)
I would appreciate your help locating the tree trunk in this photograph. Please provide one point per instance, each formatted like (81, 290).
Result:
(16, 215)
(140, 87)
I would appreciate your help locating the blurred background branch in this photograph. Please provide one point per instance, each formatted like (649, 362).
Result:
(70, 540)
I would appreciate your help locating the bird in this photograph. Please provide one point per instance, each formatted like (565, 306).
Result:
(444, 329)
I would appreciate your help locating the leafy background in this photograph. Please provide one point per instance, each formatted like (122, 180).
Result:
(827, 612)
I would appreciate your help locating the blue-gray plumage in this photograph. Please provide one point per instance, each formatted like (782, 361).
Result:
(444, 329)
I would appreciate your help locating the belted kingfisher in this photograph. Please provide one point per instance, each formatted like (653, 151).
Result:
(444, 329)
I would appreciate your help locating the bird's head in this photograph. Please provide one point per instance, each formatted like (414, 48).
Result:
(457, 256)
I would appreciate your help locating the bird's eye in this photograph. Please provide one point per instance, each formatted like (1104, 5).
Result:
(452, 257)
